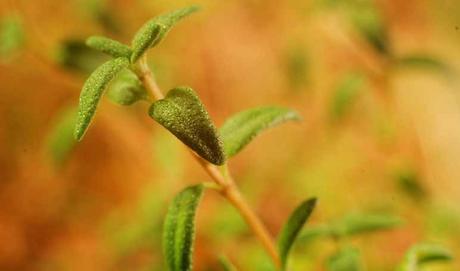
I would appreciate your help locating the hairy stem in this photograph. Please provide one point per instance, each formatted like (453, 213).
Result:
(228, 188)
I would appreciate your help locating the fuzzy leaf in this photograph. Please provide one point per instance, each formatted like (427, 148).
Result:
(346, 259)
(226, 264)
(61, 140)
(109, 46)
(345, 94)
(292, 228)
(92, 91)
(241, 128)
(423, 253)
(183, 114)
(154, 30)
(179, 229)
(126, 89)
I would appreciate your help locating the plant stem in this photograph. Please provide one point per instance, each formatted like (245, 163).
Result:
(228, 188)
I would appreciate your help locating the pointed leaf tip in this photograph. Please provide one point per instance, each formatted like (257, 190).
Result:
(154, 30)
(92, 91)
(183, 114)
(109, 46)
(243, 127)
(179, 229)
(292, 228)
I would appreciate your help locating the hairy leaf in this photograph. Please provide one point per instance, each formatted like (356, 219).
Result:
(226, 264)
(346, 259)
(423, 253)
(92, 91)
(109, 46)
(154, 30)
(292, 228)
(61, 140)
(126, 89)
(183, 114)
(241, 128)
(345, 94)
(179, 229)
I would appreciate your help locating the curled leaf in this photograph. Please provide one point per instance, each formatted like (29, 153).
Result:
(154, 30)
(183, 114)
(346, 259)
(109, 46)
(179, 229)
(241, 128)
(92, 91)
(126, 89)
(292, 228)
(423, 253)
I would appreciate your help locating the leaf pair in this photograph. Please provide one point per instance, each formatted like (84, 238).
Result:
(183, 114)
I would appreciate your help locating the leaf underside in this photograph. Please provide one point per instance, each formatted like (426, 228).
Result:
(92, 91)
(424, 253)
(179, 229)
(292, 228)
(108, 46)
(154, 30)
(183, 114)
(241, 128)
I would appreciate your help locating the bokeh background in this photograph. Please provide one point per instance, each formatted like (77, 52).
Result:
(375, 81)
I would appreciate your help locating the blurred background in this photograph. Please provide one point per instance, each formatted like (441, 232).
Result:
(375, 81)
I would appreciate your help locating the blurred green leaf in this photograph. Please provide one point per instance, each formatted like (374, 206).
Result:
(423, 253)
(61, 140)
(408, 181)
(154, 30)
(243, 127)
(92, 91)
(183, 114)
(109, 46)
(367, 19)
(292, 228)
(346, 259)
(349, 225)
(345, 94)
(226, 264)
(179, 229)
(126, 89)
(297, 67)
(75, 55)
(423, 61)
(12, 35)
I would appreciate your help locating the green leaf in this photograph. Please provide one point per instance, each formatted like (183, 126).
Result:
(346, 259)
(183, 114)
(108, 46)
(363, 223)
(292, 228)
(226, 264)
(126, 89)
(241, 128)
(60, 139)
(421, 61)
(154, 30)
(92, 91)
(179, 229)
(423, 253)
(11, 35)
(345, 94)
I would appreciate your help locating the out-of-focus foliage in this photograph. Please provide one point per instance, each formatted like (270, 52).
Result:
(12, 36)
(346, 259)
